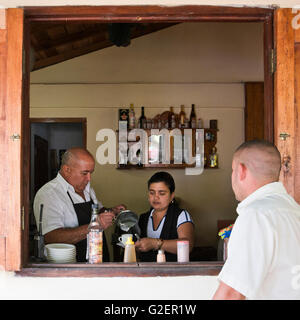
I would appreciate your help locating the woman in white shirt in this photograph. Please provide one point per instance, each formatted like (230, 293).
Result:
(165, 222)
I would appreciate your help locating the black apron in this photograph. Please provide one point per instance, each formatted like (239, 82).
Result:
(168, 232)
(83, 211)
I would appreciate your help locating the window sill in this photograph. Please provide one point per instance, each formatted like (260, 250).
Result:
(140, 269)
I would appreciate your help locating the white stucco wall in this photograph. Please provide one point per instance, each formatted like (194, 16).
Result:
(167, 288)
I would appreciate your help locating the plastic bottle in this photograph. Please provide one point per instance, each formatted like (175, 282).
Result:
(129, 254)
(160, 258)
(94, 238)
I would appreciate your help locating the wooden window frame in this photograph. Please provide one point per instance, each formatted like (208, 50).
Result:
(139, 14)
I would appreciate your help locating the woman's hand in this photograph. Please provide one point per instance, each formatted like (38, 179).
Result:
(146, 244)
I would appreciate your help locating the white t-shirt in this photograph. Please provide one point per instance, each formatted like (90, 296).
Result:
(151, 233)
(264, 246)
(58, 210)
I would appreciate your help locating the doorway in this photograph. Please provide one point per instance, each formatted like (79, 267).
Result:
(49, 139)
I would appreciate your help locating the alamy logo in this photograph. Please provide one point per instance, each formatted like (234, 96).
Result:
(136, 147)
(296, 18)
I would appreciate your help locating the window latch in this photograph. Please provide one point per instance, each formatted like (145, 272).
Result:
(284, 136)
(15, 136)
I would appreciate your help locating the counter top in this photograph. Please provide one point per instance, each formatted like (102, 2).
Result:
(120, 269)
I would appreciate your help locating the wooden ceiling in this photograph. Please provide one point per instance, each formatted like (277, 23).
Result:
(52, 43)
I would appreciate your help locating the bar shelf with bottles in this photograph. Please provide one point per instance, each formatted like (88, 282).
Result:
(170, 120)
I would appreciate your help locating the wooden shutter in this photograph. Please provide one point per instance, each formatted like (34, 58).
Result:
(287, 97)
(11, 48)
(254, 110)
(3, 143)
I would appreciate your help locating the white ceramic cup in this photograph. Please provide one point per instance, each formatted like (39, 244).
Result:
(123, 238)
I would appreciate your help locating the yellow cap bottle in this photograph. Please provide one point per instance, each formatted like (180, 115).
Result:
(129, 254)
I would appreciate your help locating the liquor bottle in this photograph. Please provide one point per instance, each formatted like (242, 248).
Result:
(124, 116)
(200, 123)
(181, 117)
(95, 238)
(213, 158)
(142, 119)
(173, 121)
(193, 117)
(171, 114)
(131, 117)
(159, 124)
(186, 123)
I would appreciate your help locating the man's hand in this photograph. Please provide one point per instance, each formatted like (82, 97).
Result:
(106, 219)
(117, 209)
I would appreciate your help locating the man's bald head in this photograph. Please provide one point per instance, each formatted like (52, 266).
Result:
(74, 155)
(262, 159)
(77, 167)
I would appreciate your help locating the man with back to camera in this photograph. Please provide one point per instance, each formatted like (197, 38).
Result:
(67, 201)
(264, 245)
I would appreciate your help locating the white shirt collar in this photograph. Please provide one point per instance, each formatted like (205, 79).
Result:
(270, 188)
(67, 186)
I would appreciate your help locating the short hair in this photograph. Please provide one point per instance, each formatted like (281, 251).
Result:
(72, 154)
(258, 144)
(265, 160)
(165, 177)
(66, 158)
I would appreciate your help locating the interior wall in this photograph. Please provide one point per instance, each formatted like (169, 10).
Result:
(201, 63)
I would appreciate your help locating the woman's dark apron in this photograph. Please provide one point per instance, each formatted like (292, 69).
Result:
(83, 211)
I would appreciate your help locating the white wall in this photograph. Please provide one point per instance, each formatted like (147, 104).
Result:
(166, 288)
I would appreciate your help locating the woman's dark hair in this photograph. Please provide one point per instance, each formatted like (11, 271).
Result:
(163, 177)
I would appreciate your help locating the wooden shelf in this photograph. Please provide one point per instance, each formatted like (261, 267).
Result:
(159, 165)
(208, 145)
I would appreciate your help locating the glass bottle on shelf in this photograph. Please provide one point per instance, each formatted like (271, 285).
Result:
(171, 114)
(186, 123)
(181, 117)
(131, 117)
(142, 119)
(213, 158)
(193, 119)
(200, 123)
(149, 123)
(173, 121)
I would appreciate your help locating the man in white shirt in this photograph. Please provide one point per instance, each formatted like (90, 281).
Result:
(67, 202)
(264, 245)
